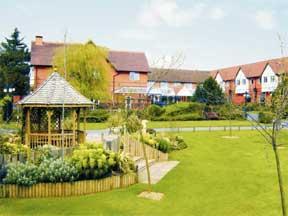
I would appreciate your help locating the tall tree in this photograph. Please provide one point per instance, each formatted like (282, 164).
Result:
(87, 68)
(14, 64)
(209, 92)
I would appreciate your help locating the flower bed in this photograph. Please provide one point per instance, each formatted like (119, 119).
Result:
(67, 188)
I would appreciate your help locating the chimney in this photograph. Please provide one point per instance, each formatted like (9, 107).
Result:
(39, 40)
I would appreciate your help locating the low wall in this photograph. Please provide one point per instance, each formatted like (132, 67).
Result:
(67, 188)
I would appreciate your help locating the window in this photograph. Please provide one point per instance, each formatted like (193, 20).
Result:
(272, 79)
(237, 82)
(188, 85)
(244, 81)
(176, 84)
(265, 79)
(134, 76)
(164, 84)
(252, 81)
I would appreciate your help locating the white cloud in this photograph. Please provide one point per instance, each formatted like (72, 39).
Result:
(265, 19)
(170, 13)
(217, 13)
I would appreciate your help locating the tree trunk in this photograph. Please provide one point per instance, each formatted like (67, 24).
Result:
(280, 178)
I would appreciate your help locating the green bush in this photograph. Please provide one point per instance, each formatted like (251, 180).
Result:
(133, 124)
(51, 170)
(98, 115)
(226, 112)
(22, 174)
(11, 144)
(266, 117)
(93, 162)
(115, 120)
(154, 111)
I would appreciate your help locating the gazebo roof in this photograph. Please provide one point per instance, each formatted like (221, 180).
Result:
(55, 92)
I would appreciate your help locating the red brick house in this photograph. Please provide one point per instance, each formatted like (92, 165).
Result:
(128, 75)
(253, 82)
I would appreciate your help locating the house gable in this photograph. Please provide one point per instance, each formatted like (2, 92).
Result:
(241, 83)
(269, 80)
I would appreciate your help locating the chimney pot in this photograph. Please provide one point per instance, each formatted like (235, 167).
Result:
(39, 40)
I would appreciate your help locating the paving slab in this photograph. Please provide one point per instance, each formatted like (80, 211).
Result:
(157, 171)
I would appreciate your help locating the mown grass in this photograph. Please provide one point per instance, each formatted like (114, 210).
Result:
(177, 124)
(215, 177)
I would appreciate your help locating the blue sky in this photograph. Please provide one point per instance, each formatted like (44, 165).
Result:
(210, 34)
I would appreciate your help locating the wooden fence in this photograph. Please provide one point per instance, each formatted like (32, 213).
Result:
(67, 189)
(134, 147)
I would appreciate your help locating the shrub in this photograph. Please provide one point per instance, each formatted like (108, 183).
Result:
(11, 144)
(58, 170)
(226, 112)
(21, 174)
(93, 162)
(115, 120)
(98, 115)
(163, 144)
(266, 117)
(133, 124)
(155, 111)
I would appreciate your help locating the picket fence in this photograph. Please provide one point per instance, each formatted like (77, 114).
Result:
(67, 189)
(134, 147)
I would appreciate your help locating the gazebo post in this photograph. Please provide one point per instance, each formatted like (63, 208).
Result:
(49, 114)
(74, 127)
(84, 124)
(78, 125)
(27, 128)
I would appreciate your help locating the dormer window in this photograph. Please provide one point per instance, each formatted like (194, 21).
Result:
(134, 76)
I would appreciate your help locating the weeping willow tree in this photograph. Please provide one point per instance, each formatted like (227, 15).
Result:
(87, 69)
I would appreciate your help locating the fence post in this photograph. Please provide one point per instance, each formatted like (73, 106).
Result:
(239, 128)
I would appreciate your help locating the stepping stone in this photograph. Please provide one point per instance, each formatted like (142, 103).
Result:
(157, 171)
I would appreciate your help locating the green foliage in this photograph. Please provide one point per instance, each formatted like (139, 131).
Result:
(209, 92)
(133, 124)
(229, 111)
(164, 143)
(155, 111)
(93, 162)
(183, 111)
(22, 174)
(87, 69)
(56, 170)
(11, 144)
(98, 115)
(266, 117)
(14, 58)
(115, 120)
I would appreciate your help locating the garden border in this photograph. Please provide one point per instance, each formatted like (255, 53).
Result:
(67, 188)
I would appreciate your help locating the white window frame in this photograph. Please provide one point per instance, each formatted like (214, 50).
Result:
(164, 84)
(134, 76)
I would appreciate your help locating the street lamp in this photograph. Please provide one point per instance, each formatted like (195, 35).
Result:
(8, 90)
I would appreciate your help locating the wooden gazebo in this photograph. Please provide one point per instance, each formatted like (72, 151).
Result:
(43, 114)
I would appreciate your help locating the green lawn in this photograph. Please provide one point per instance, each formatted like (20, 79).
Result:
(215, 177)
(177, 124)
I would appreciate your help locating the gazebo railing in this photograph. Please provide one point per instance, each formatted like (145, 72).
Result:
(68, 139)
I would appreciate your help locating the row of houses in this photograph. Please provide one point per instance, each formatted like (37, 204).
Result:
(130, 76)
(251, 82)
